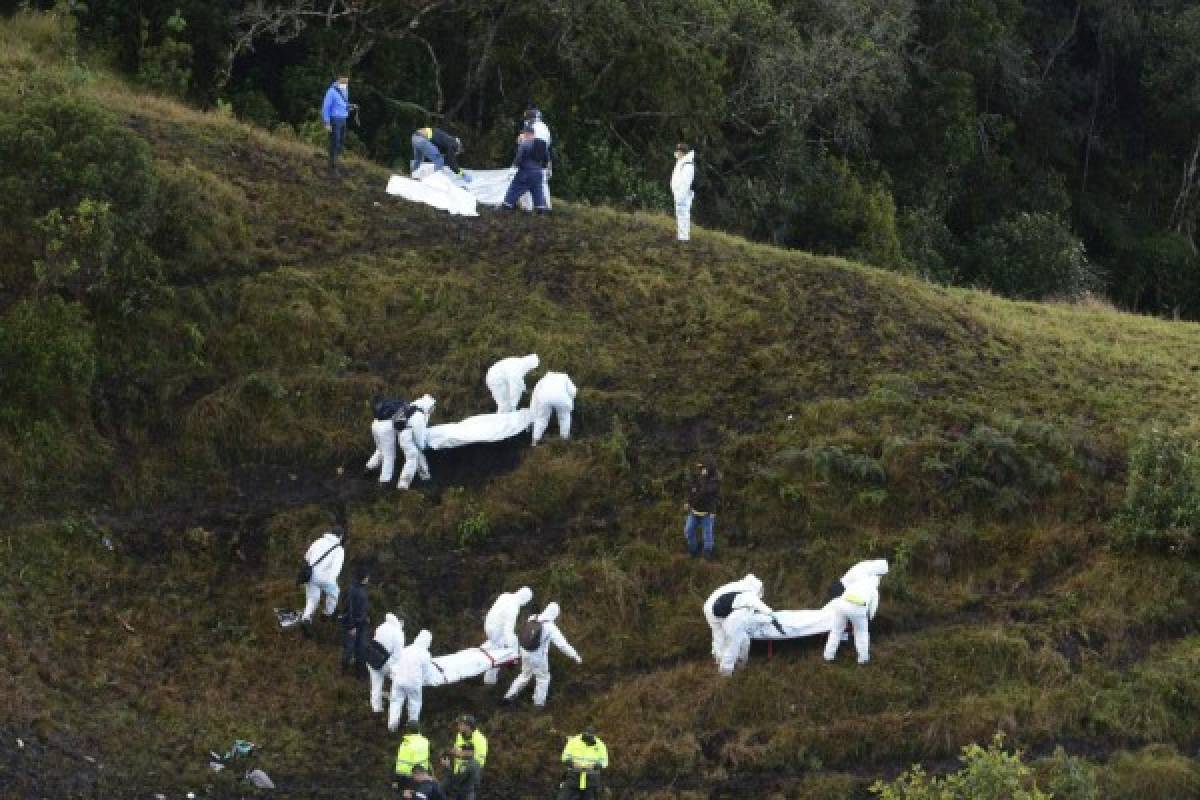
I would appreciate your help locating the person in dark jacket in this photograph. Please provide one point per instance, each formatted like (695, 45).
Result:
(531, 160)
(704, 495)
(463, 773)
(423, 786)
(437, 146)
(355, 621)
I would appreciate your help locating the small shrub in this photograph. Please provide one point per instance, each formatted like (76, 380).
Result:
(1033, 256)
(1161, 510)
(990, 774)
(1005, 465)
(47, 363)
(473, 529)
(167, 64)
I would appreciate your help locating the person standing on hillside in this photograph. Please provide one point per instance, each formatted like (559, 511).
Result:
(704, 494)
(682, 178)
(537, 634)
(506, 380)
(500, 625)
(414, 438)
(355, 620)
(856, 606)
(334, 112)
(462, 780)
(541, 132)
(411, 755)
(586, 758)
(530, 161)
(322, 565)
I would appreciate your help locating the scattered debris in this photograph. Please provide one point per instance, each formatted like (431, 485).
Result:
(125, 623)
(108, 542)
(20, 744)
(260, 779)
(216, 766)
(287, 618)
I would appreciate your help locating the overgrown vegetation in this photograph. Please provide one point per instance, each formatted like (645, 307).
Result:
(174, 429)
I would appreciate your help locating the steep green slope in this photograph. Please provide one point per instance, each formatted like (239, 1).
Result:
(978, 444)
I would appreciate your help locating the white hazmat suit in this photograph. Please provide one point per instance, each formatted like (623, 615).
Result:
(856, 606)
(412, 670)
(682, 178)
(324, 574)
(414, 440)
(553, 394)
(500, 624)
(506, 380)
(384, 457)
(535, 664)
(749, 611)
(747, 584)
(391, 635)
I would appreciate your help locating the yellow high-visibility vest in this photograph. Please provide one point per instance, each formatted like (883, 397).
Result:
(586, 757)
(413, 752)
(478, 741)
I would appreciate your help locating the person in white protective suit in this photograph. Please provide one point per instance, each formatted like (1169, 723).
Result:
(715, 615)
(383, 431)
(414, 440)
(747, 611)
(856, 606)
(535, 663)
(506, 380)
(553, 394)
(500, 624)
(390, 635)
(325, 557)
(412, 670)
(682, 178)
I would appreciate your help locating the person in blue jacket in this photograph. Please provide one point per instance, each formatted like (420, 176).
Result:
(334, 112)
(531, 160)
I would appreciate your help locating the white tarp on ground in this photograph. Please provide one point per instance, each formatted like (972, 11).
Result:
(479, 429)
(436, 188)
(796, 624)
(471, 663)
(488, 185)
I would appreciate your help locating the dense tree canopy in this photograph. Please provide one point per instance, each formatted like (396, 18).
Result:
(1040, 147)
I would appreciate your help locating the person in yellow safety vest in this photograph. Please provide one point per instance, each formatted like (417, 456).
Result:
(586, 757)
(468, 731)
(413, 752)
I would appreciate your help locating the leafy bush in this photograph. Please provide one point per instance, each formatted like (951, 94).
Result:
(1033, 256)
(77, 196)
(990, 774)
(1006, 465)
(47, 362)
(167, 64)
(1161, 509)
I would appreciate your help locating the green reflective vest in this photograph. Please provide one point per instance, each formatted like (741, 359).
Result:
(580, 756)
(414, 750)
(479, 741)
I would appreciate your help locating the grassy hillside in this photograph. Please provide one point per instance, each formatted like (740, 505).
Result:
(980, 445)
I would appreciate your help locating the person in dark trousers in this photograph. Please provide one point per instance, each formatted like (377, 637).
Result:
(463, 773)
(532, 157)
(704, 495)
(423, 786)
(334, 112)
(355, 621)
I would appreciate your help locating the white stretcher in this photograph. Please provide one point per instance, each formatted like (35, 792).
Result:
(470, 663)
(437, 188)
(795, 624)
(479, 429)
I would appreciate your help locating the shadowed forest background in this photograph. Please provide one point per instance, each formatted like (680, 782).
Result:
(194, 317)
(1038, 149)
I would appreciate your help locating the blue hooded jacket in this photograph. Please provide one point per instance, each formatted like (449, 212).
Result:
(336, 105)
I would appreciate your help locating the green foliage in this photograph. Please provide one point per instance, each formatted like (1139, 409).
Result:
(602, 172)
(165, 66)
(473, 529)
(1034, 256)
(47, 363)
(1161, 510)
(990, 774)
(78, 201)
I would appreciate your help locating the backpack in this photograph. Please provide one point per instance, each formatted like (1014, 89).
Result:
(699, 176)
(306, 570)
(530, 636)
(377, 655)
(723, 607)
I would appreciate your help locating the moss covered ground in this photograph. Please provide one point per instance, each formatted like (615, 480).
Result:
(978, 444)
